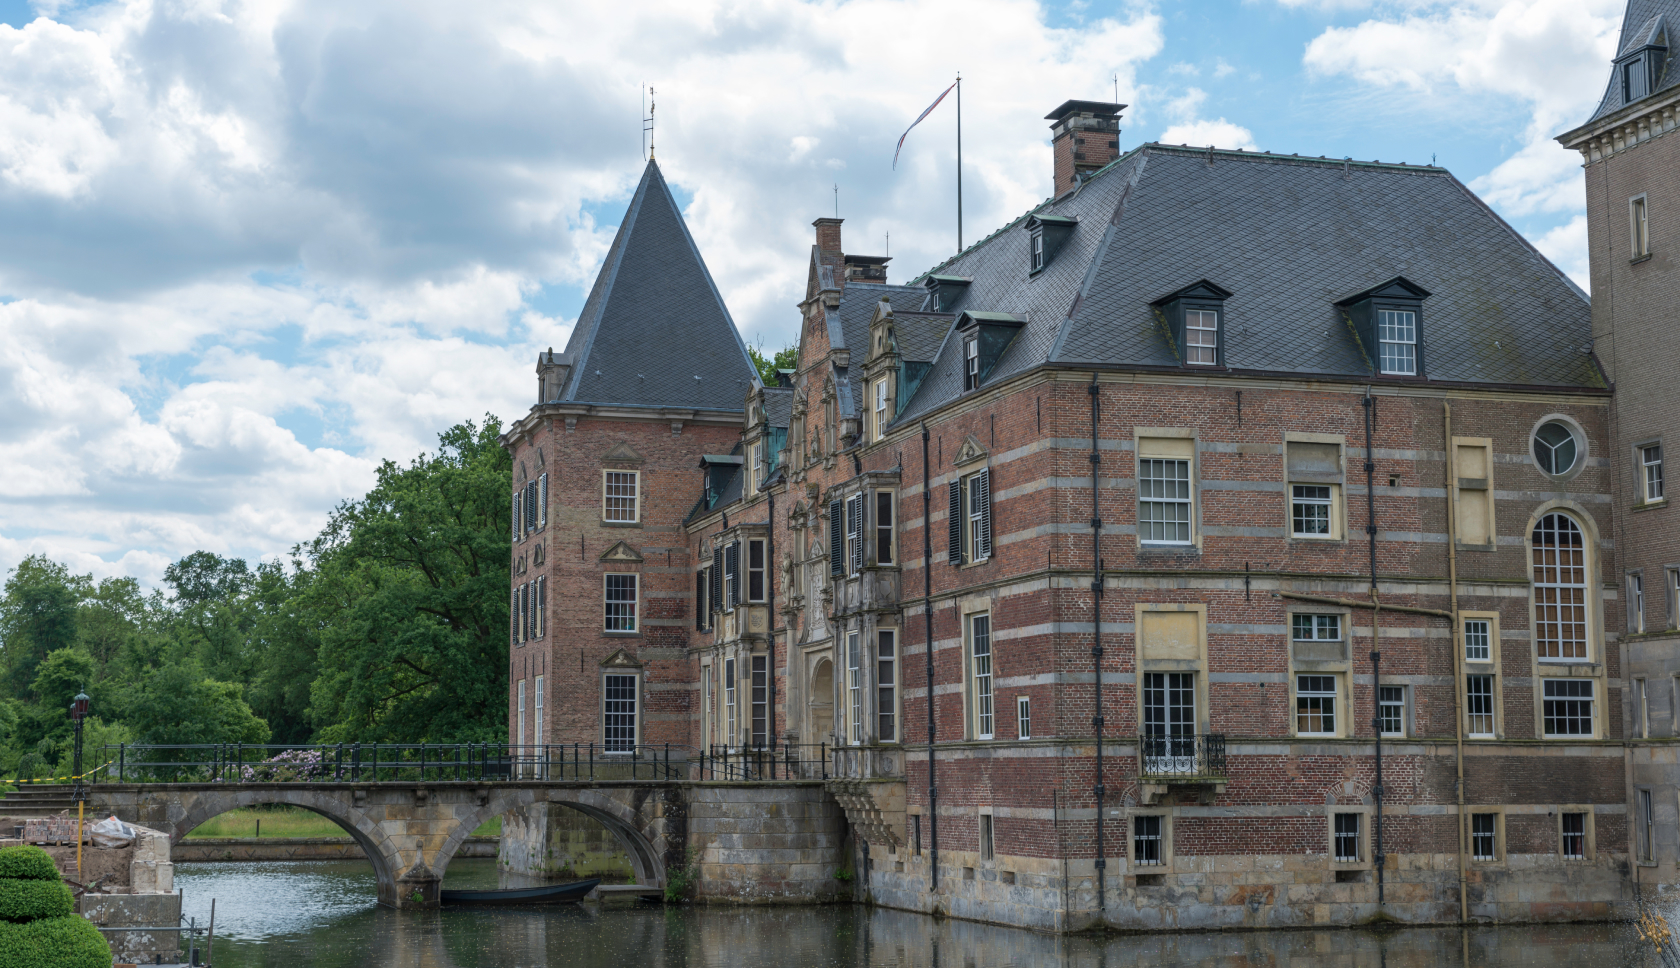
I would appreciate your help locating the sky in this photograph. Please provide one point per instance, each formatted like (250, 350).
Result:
(251, 248)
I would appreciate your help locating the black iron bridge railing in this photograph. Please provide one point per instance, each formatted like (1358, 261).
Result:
(1184, 757)
(444, 762)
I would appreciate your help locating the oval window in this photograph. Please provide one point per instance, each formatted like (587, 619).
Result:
(1554, 447)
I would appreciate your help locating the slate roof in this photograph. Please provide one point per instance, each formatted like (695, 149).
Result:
(778, 406)
(919, 334)
(1643, 19)
(857, 308)
(654, 331)
(1289, 237)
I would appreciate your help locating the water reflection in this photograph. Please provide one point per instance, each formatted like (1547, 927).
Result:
(270, 915)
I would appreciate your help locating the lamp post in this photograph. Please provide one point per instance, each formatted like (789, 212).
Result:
(78, 712)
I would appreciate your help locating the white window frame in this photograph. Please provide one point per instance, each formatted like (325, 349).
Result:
(1639, 219)
(886, 686)
(1554, 595)
(1385, 703)
(1490, 837)
(1641, 708)
(1038, 251)
(1474, 719)
(1193, 323)
(1332, 695)
(1484, 651)
(537, 710)
(982, 666)
(1318, 626)
(1651, 478)
(971, 363)
(1023, 717)
(1326, 502)
(731, 709)
(974, 514)
(520, 741)
(1636, 602)
(755, 466)
(886, 544)
(854, 688)
(613, 719)
(609, 601)
(760, 572)
(1147, 468)
(608, 508)
(880, 408)
(758, 710)
(1397, 341)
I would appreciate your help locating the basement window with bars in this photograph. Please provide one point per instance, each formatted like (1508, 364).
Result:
(1347, 846)
(1146, 841)
(1573, 827)
(1484, 837)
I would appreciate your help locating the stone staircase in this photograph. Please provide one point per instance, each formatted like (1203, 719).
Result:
(35, 801)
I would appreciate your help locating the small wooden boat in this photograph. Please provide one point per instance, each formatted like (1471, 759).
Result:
(547, 894)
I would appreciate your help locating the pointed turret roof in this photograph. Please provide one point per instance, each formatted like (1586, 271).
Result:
(1646, 23)
(655, 331)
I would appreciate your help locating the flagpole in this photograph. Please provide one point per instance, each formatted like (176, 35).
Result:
(959, 161)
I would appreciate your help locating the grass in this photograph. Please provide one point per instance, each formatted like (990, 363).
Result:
(291, 822)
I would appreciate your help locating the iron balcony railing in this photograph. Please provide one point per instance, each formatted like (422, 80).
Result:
(1186, 757)
(444, 762)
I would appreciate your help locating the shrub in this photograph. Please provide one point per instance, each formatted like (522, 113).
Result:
(27, 864)
(22, 900)
(53, 943)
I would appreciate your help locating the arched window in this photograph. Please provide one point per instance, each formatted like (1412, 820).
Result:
(1560, 589)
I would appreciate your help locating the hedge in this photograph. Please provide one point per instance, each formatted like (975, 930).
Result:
(32, 900)
(27, 863)
(70, 942)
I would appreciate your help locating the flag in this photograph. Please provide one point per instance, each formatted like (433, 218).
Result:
(918, 120)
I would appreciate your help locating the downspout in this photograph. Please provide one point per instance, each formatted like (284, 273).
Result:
(927, 620)
(770, 588)
(1458, 651)
(1376, 636)
(1096, 647)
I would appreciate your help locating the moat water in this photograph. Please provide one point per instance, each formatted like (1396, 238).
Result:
(322, 913)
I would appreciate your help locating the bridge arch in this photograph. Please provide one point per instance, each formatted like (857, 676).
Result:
(385, 856)
(614, 814)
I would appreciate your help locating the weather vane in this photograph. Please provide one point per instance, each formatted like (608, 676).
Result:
(647, 123)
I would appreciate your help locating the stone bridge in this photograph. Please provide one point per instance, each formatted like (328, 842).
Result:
(753, 842)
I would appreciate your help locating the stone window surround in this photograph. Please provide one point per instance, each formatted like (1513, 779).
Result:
(1341, 668)
(1338, 491)
(1365, 861)
(1594, 666)
(636, 520)
(1590, 850)
(1639, 473)
(1140, 434)
(1637, 824)
(1167, 858)
(1499, 856)
(1490, 667)
(1583, 450)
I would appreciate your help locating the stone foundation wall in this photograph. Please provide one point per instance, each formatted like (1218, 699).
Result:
(767, 844)
(1236, 891)
(136, 910)
(550, 840)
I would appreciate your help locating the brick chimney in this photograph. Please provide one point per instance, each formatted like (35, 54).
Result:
(828, 240)
(1084, 136)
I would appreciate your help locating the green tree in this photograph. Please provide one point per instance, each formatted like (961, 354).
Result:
(410, 595)
(786, 358)
(37, 616)
(286, 634)
(176, 703)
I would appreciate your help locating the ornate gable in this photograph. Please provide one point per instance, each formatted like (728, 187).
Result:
(620, 659)
(969, 452)
(621, 552)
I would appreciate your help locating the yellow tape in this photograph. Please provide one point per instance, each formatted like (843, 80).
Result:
(49, 779)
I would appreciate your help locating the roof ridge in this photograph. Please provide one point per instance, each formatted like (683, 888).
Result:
(1320, 161)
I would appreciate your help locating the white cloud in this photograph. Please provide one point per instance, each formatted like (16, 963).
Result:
(1189, 129)
(1550, 57)
(250, 247)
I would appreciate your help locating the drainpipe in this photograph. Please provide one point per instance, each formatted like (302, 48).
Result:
(1458, 649)
(1096, 647)
(1376, 633)
(927, 620)
(770, 593)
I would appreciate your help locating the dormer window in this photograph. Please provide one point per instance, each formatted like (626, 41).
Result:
(1640, 69)
(1389, 322)
(944, 291)
(971, 363)
(985, 338)
(1047, 234)
(1194, 316)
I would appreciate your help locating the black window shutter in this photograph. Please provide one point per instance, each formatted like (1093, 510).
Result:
(531, 506)
(716, 595)
(956, 522)
(542, 501)
(525, 612)
(732, 570)
(518, 517)
(985, 549)
(699, 600)
(513, 616)
(836, 540)
(542, 605)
